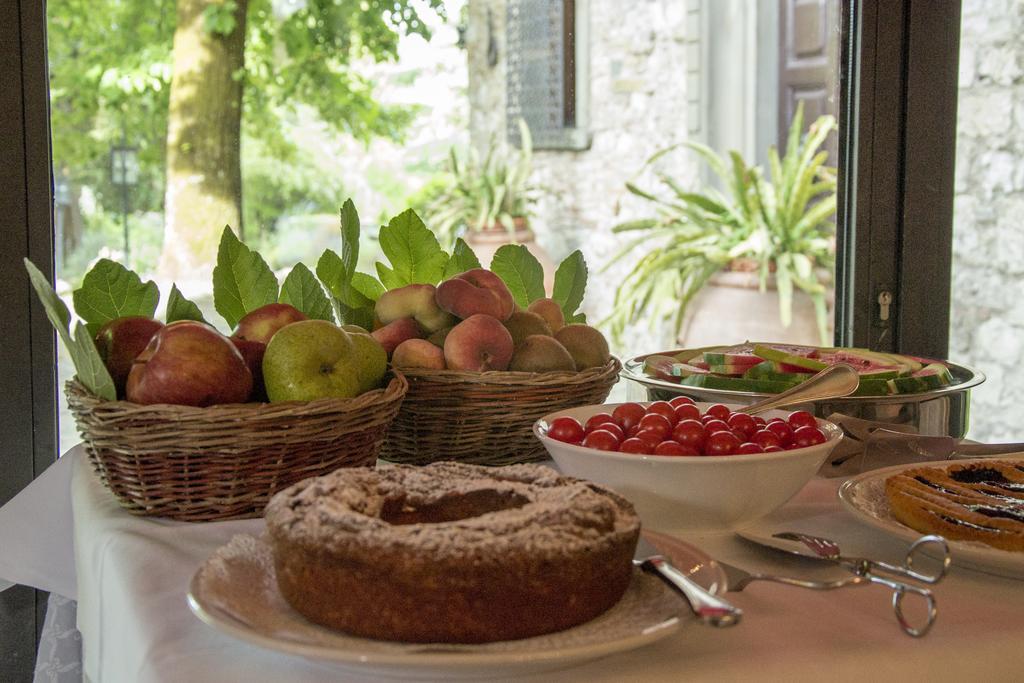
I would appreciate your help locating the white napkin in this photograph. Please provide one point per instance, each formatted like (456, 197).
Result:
(36, 534)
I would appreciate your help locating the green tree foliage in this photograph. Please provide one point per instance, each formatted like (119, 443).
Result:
(110, 73)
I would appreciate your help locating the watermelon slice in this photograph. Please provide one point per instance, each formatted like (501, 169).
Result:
(769, 370)
(932, 376)
(660, 367)
(742, 354)
(760, 386)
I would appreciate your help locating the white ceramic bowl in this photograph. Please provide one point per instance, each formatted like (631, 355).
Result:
(692, 493)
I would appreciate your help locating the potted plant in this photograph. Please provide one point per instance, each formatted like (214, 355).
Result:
(777, 229)
(485, 201)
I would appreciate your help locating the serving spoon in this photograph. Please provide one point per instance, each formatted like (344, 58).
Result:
(834, 381)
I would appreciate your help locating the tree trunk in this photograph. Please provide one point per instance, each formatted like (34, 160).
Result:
(204, 175)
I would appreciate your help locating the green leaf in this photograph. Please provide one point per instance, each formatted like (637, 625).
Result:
(580, 318)
(461, 260)
(413, 252)
(89, 367)
(367, 286)
(570, 283)
(242, 280)
(349, 249)
(110, 291)
(180, 308)
(302, 290)
(521, 271)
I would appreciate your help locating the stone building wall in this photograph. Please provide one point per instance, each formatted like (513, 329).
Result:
(638, 105)
(987, 330)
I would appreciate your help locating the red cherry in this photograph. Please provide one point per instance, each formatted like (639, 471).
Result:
(721, 443)
(782, 430)
(719, 410)
(687, 411)
(681, 401)
(773, 449)
(690, 433)
(765, 438)
(663, 408)
(601, 440)
(808, 436)
(673, 448)
(656, 422)
(801, 418)
(651, 437)
(614, 429)
(567, 429)
(712, 426)
(596, 420)
(749, 448)
(635, 445)
(759, 421)
(742, 423)
(628, 414)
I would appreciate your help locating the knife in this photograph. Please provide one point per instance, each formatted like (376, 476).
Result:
(709, 609)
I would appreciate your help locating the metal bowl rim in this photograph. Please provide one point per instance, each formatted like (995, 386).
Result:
(974, 378)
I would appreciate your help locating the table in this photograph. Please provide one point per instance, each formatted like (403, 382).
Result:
(130, 576)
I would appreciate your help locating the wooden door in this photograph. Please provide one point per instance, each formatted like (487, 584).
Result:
(808, 63)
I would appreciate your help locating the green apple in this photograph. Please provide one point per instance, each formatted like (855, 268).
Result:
(312, 359)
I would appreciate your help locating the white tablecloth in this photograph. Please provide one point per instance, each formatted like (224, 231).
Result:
(130, 576)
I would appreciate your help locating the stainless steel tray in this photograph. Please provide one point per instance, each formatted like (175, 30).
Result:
(939, 412)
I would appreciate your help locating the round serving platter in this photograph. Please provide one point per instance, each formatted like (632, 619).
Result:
(235, 592)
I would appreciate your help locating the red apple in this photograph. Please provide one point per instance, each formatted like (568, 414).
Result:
(261, 323)
(252, 353)
(120, 341)
(189, 363)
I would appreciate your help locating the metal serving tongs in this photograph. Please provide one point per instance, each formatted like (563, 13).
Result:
(866, 571)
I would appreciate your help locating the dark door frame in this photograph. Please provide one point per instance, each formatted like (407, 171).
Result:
(27, 384)
(897, 174)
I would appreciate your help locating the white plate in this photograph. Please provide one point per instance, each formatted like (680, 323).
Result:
(864, 496)
(235, 591)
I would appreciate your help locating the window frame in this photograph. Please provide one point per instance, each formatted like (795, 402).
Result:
(28, 394)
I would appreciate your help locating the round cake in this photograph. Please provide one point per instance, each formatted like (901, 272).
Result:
(451, 553)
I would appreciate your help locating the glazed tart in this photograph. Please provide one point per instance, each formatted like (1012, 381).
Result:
(981, 501)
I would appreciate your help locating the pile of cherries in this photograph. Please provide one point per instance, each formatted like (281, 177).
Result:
(678, 427)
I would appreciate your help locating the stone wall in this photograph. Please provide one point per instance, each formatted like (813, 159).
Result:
(987, 330)
(638, 105)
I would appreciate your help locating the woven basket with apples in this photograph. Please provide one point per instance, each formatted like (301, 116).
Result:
(485, 351)
(181, 421)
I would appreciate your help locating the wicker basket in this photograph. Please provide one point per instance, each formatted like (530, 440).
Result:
(486, 418)
(226, 461)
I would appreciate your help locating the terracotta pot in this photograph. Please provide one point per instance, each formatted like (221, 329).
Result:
(487, 241)
(731, 309)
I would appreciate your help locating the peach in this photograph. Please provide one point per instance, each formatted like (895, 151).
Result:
(413, 301)
(396, 332)
(477, 344)
(477, 291)
(418, 353)
(550, 311)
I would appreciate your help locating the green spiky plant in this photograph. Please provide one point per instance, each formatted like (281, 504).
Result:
(479, 193)
(783, 224)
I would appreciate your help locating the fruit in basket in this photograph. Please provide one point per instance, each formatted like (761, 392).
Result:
(478, 344)
(586, 345)
(252, 353)
(395, 332)
(541, 353)
(418, 353)
(437, 338)
(413, 301)
(315, 359)
(189, 363)
(120, 341)
(260, 324)
(371, 359)
(474, 292)
(550, 311)
(522, 324)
